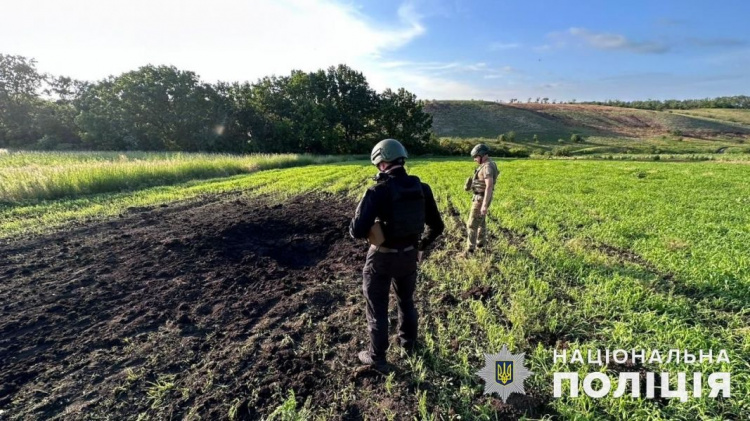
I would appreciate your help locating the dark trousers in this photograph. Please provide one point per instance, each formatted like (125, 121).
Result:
(379, 270)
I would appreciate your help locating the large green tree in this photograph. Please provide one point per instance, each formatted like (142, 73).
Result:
(333, 111)
(163, 108)
(402, 117)
(152, 108)
(357, 106)
(35, 109)
(20, 83)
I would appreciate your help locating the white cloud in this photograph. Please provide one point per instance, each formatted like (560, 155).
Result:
(428, 80)
(229, 40)
(497, 46)
(220, 40)
(501, 72)
(237, 40)
(426, 86)
(435, 66)
(608, 41)
(542, 48)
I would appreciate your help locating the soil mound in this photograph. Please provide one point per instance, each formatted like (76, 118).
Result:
(213, 309)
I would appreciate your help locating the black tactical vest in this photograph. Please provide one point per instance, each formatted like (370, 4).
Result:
(405, 216)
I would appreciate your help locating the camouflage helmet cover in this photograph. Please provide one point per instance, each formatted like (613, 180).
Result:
(387, 150)
(480, 149)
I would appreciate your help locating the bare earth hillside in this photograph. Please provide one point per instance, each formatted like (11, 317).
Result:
(490, 119)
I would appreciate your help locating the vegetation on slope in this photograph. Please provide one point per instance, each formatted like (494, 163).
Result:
(552, 121)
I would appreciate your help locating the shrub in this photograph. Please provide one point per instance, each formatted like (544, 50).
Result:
(47, 143)
(576, 138)
(519, 153)
(563, 151)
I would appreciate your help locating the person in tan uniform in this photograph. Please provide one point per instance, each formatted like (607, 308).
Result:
(482, 184)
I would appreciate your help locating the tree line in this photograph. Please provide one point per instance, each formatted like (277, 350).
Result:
(162, 108)
(739, 101)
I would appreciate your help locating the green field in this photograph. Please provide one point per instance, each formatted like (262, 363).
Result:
(722, 114)
(584, 255)
(31, 176)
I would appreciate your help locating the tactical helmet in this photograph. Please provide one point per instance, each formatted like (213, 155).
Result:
(480, 149)
(387, 150)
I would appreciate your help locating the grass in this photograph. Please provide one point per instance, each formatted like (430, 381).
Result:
(599, 146)
(468, 119)
(584, 255)
(28, 177)
(45, 215)
(559, 278)
(627, 120)
(159, 390)
(723, 114)
(288, 410)
(488, 119)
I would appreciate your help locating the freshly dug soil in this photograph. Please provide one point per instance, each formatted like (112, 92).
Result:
(213, 309)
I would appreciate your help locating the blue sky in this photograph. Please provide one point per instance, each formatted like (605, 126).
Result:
(438, 49)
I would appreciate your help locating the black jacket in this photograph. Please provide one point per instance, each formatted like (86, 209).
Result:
(375, 204)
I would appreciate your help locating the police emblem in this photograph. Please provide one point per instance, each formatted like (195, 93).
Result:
(504, 373)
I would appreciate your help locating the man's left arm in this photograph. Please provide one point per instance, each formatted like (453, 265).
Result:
(365, 216)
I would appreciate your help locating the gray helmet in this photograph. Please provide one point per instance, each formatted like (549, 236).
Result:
(480, 149)
(387, 150)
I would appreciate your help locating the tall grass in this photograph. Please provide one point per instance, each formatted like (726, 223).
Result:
(33, 176)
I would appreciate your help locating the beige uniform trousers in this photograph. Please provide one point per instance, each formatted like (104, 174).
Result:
(476, 227)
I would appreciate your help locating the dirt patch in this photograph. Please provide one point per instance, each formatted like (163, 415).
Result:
(214, 309)
(519, 406)
(479, 292)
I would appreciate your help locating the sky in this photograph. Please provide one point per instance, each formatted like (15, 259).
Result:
(437, 49)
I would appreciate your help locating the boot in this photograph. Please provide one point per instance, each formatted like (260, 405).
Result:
(366, 359)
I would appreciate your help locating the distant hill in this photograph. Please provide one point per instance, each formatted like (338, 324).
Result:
(467, 119)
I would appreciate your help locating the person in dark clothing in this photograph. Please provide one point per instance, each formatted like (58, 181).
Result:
(402, 205)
